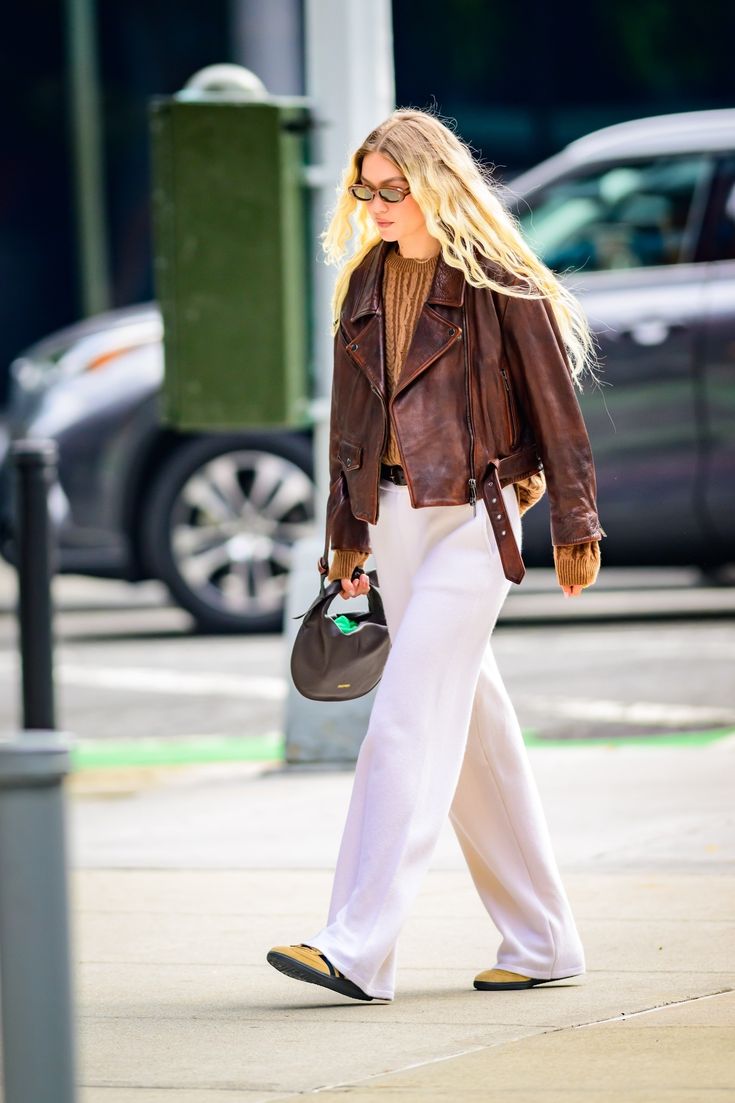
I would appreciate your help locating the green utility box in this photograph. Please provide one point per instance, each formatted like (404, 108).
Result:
(230, 233)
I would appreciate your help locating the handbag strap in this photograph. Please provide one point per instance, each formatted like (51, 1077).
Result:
(324, 557)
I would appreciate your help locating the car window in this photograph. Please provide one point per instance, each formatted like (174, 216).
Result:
(622, 215)
(718, 237)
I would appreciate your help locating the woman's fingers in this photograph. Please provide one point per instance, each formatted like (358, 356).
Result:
(572, 591)
(354, 589)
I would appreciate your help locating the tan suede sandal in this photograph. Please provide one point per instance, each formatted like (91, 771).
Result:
(499, 980)
(306, 963)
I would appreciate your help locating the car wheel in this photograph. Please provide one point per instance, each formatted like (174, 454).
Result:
(219, 524)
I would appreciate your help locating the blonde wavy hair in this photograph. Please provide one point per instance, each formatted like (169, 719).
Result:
(463, 210)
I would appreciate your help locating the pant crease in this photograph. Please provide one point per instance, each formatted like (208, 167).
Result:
(519, 847)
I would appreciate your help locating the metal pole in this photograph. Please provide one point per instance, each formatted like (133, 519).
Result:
(35, 465)
(35, 976)
(350, 79)
(86, 137)
(267, 39)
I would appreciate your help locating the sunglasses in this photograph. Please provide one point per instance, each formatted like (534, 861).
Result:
(390, 195)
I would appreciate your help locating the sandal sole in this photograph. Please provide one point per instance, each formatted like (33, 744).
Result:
(510, 985)
(298, 971)
(505, 985)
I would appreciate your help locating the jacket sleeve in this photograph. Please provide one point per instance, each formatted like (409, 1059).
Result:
(345, 530)
(538, 365)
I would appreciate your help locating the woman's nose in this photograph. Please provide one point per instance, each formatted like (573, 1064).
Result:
(379, 205)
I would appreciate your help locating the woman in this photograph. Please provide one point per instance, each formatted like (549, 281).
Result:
(453, 410)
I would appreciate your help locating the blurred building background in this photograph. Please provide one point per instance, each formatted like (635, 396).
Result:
(521, 81)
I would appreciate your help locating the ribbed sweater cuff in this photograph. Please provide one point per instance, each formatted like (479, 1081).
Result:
(344, 562)
(577, 564)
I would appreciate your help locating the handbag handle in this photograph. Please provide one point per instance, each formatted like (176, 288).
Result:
(333, 588)
(323, 564)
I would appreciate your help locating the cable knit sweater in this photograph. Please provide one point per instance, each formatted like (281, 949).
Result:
(406, 284)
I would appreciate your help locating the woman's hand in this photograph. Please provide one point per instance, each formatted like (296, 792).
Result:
(572, 591)
(361, 585)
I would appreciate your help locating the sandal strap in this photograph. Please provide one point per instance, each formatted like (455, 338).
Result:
(334, 972)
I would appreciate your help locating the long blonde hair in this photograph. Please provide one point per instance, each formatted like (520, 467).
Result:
(463, 210)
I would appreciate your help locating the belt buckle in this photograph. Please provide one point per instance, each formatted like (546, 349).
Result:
(392, 474)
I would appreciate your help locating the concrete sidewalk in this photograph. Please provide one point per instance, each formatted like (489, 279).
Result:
(183, 880)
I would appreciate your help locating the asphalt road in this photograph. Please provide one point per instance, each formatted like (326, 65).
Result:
(651, 653)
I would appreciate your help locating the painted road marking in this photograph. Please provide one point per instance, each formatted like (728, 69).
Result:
(176, 682)
(91, 754)
(665, 714)
(715, 737)
(629, 645)
(177, 751)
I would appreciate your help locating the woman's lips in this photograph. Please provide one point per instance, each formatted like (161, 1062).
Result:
(383, 223)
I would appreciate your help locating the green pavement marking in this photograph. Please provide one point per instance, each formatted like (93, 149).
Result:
(99, 753)
(666, 739)
(102, 753)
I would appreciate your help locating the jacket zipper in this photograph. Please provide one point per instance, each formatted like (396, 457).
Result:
(400, 450)
(472, 481)
(509, 407)
(404, 465)
(375, 390)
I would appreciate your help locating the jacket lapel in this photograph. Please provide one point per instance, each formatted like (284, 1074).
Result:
(366, 346)
(432, 337)
(434, 331)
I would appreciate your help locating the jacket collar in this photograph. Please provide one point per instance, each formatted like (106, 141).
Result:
(447, 286)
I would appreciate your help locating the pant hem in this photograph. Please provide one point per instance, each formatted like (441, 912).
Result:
(379, 994)
(538, 974)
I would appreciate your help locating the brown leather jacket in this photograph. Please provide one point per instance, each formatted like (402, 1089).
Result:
(485, 398)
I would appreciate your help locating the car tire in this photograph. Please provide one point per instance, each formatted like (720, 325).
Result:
(199, 513)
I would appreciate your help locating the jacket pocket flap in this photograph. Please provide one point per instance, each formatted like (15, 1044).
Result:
(350, 455)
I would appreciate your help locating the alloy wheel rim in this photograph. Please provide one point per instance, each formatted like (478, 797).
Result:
(233, 525)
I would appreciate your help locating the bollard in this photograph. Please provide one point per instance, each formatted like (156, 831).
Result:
(35, 972)
(35, 465)
(35, 980)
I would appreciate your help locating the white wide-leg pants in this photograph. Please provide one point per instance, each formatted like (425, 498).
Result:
(444, 739)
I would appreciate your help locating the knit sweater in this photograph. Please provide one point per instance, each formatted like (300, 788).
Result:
(406, 284)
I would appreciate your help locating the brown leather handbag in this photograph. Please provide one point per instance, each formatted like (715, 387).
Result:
(339, 658)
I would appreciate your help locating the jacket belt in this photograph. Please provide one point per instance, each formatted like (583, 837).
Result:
(515, 465)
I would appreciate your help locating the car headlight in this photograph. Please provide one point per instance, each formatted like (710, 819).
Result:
(89, 353)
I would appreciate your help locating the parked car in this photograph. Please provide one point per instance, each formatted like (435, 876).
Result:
(214, 516)
(638, 219)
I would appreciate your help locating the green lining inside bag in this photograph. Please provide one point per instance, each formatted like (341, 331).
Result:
(345, 623)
